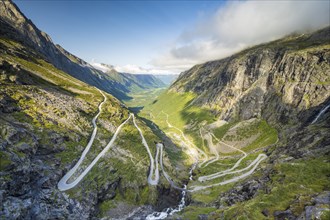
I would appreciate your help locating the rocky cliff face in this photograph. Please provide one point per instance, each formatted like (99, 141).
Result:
(287, 83)
(293, 70)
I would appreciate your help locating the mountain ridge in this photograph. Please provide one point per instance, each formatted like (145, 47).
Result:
(15, 25)
(232, 75)
(273, 99)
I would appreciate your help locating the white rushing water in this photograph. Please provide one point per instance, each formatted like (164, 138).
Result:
(170, 211)
(320, 113)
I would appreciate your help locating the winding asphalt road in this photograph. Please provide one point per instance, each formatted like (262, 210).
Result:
(63, 183)
(254, 164)
(186, 140)
(153, 177)
(151, 181)
(209, 140)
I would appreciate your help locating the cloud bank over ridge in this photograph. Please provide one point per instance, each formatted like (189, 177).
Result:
(240, 24)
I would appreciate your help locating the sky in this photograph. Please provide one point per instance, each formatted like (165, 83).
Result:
(168, 36)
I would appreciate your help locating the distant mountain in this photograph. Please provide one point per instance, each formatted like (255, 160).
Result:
(14, 25)
(127, 82)
(168, 79)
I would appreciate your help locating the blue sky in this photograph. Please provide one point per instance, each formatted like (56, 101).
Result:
(168, 36)
(115, 32)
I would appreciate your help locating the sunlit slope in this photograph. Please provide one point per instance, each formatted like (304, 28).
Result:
(143, 98)
(46, 117)
(176, 115)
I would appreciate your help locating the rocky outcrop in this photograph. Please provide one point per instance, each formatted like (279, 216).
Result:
(276, 80)
(241, 193)
(27, 189)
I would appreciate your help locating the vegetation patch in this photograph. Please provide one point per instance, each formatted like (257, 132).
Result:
(289, 181)
(4, 160)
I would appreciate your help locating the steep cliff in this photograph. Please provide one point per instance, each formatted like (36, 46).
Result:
(294, 69)
(272, 98)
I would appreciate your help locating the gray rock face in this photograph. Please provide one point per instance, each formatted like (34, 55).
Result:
(321, 204)
(30, 164)
(278, 215)
(323, 198)
(202, 217)
(7, 105)
(290, 75)
(241, 193)
(285, 82)
(28, 184)
(27, 191)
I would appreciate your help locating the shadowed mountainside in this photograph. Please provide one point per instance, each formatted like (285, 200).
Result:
(15, 26)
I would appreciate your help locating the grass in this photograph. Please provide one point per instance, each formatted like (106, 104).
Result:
(292, 185)
(105, 206)
(180, 112)
(45, 74)
(192, 212)
(4, 161)
(71, 152)
(171, 103)
(222, 130)
(143, 98)
(211, 194)
(289, 182)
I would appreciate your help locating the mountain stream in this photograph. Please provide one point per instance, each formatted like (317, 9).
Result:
(170, 211)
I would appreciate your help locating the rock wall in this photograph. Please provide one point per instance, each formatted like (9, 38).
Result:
(291, 74)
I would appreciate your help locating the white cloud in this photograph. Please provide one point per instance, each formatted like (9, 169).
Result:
(238, 25)
(130, 68)
(102, 67)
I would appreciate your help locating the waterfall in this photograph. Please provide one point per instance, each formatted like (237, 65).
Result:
(170, 211)
(320, 113)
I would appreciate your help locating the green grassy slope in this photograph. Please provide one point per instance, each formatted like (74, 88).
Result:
(183, 115)
(46, 103)
(131, 84)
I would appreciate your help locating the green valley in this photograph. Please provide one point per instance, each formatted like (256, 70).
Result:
(241, 133)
